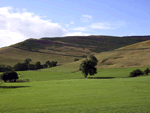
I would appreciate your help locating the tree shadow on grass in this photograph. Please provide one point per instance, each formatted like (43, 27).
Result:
(101, 77)
(8, 87)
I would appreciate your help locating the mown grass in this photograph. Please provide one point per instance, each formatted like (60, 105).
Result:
(52, 91)
(77, 96)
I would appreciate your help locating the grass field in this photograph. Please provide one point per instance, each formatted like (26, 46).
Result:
(52, 91)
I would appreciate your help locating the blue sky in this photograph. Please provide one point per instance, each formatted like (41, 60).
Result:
(39, 18)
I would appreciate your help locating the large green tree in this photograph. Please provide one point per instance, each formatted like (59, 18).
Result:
(88, 66)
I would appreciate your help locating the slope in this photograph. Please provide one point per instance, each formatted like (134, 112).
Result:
(119, 58)
(64, 49)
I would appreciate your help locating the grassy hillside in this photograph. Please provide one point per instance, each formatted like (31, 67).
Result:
(11, 56)
(100, 43)
(118, 59)
(66, 49)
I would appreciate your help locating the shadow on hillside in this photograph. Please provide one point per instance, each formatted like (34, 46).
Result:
(7, 87)
(100, 77)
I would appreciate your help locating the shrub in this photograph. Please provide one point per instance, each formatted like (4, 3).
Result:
(76, 59)
(9, 75)
(146, 71)
(136, 73)
(31, 66)
(20, 67)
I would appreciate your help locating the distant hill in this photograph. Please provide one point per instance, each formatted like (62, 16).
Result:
(135, 55)
(64, 49)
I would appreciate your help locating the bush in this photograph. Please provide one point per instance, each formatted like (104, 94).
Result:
(9, 75)
(146, 71)
(20, 67)
(136, 73)
(31, 67)
(38, 65)
(53, 63)
(76, 59)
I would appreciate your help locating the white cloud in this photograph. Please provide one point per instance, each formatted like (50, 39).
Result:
(107, 25)
(72, 22)
(67, 25)
(86, 18)
(100, 26)
(86, 28)
(16, 27)
(80, 29)
(78, 34)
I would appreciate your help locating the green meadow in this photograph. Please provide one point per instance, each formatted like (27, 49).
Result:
(57, 90)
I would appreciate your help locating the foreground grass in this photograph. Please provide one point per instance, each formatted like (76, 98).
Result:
(55, 91)
(77, 95)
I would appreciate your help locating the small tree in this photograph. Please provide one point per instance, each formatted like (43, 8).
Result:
(146, 71)
(2, 68)
(88, 66)
(38, 65)
(45, 65)
(76, 59)
(20, 67)
(31, 66)
(9, 75)
(48, 63)
(16, 67)
(27, 61)
(136, 73)
(53, 64)
(8, 68)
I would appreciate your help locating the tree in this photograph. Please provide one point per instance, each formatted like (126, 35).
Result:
(48, 63)
(53, 64)
(146, 71)
(88, 66)
(2, 68)
(136, 73)
(9, 75)
(44, 65)
(16, 67)
(31, 66)
(76, 59)
(8, 68)
(38, 65)
(20, 67)
(27, 61)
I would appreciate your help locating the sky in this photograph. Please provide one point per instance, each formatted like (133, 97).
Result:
(24, 19)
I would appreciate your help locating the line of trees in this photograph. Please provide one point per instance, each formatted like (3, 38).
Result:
(27, 66)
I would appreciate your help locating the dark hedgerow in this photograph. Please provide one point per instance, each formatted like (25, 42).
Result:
(136, 73)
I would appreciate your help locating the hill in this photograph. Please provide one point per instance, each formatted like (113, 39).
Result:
(65, 49)
(136, 55)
